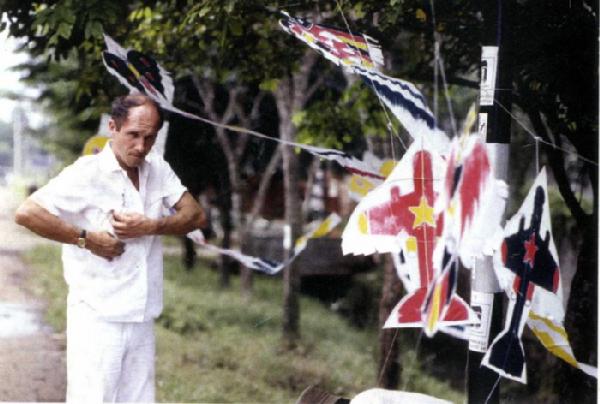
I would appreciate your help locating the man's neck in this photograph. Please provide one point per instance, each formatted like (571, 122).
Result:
(133, 175)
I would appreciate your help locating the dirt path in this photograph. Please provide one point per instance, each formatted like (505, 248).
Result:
(32, 356)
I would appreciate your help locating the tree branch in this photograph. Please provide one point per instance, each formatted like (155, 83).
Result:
(557, 163)
(265, 181)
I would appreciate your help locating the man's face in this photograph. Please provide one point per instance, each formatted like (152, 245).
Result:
(136, 136)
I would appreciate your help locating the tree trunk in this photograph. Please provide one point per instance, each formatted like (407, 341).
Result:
(293, 218)
(224, 200)
(291, 95)
(390, 368)
(572, 385)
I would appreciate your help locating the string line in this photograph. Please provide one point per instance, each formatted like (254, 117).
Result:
(439, 63)
(539, 139)
(387, 357)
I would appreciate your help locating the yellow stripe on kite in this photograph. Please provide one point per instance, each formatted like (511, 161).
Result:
(360, 45)
(550, 324)
(323, 228)
(433, 317)
(133, 70)
(557, 350)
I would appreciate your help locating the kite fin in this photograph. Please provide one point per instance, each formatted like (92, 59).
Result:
(507, 356)
(409, 308)
(457, 311)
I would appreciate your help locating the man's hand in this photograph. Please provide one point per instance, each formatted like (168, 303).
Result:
(131, 225)
(104, 244)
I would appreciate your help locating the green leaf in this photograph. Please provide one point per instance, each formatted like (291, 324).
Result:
(64, 30)
(298, 118)
(95, 29)
(269, 85)
(204, 11)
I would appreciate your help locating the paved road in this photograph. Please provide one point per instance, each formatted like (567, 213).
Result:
(32, 356)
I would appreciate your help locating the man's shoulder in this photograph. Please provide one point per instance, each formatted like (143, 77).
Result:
(84, 164)
(157, 162)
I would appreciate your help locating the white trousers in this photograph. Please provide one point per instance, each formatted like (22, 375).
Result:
(108, 361)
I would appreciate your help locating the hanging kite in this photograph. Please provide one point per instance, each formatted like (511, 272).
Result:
(267, 266)
(340, 47)
(472, 201)
(259, 264)
(404, 99)
(397, 217)
(139, 72)
(526, 262)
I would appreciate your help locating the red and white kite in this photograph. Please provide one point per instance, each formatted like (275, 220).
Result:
(397, 217)
(340, 47)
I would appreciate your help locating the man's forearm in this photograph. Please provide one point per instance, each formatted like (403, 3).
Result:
(43, 223)
(180, 223)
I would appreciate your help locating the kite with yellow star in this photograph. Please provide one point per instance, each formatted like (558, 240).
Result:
(398, 217)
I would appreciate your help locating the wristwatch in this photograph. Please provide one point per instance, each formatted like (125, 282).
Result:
(81, 239)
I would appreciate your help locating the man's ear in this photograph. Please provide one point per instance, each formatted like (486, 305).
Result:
(112, 126)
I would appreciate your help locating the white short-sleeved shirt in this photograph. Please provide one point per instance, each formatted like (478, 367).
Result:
(130, 287)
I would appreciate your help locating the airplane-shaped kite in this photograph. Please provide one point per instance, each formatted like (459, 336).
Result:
(528, 257)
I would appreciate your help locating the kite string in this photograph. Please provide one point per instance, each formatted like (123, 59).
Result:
(387, 357)
(537, 154)
(489, 396)
(439, 62)
(539, 139)
(390, 126)
(417, 348)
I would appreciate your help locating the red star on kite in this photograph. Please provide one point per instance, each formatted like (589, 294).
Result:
(530, 250)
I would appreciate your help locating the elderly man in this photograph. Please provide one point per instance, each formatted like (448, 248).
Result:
(107, 211)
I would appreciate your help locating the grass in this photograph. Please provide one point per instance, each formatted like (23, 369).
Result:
(216, 346)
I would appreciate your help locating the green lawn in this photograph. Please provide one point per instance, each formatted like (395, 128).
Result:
(216, 346)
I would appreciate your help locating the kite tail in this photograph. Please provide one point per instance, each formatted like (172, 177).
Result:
(507, 355)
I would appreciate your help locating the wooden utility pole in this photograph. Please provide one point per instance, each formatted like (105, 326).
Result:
(494, 127)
